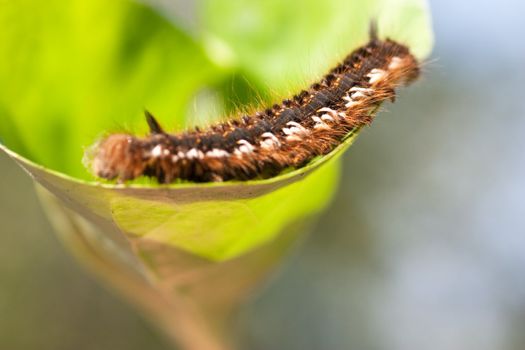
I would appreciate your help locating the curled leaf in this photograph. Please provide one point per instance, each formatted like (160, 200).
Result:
(72, 70)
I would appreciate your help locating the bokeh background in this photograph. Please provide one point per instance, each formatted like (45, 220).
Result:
(423, 247)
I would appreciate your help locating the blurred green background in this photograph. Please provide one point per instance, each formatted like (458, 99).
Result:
(422, 247)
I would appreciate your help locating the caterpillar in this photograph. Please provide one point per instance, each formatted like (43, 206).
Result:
(286, 135)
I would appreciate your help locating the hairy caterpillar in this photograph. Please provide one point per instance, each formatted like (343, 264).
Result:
(287, 135)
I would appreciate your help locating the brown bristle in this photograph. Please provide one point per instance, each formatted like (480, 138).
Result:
(286, 135)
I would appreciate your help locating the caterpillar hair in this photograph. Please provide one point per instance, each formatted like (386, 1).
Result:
(261, 145)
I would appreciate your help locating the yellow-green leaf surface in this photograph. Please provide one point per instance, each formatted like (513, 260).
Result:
(72, 70)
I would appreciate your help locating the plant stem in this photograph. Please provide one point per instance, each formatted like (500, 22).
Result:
(191, 299)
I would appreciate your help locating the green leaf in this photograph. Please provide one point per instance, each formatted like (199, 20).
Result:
(286, 45)
(73, 70)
